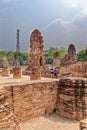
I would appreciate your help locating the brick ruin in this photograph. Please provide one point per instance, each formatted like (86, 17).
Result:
(17, 72)
(77, 69)
(35, 73)
(56, 59)
(21, 102)
(66, 96)
(16, 60)
(36, 56)
(4, 63)
(83, 124)
(32, 99)
(70, 67)
(71, 101)
(8, 121)
(71, 56)
(5, 72)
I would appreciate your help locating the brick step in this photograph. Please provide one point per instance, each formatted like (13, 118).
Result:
(3, 91)
(4, 107)
(12, 117)
(3, 124)
(4, 120)
(3, 94)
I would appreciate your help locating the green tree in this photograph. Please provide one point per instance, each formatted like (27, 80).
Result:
(82, 55)
(50, 52)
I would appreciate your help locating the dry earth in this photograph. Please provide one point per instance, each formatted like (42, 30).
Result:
(52, 122)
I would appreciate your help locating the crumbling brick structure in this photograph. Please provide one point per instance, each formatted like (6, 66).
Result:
(56, 59)
(36, 56)
(71, 100)
(17, 72)
(4, 63)
(71, 56)
(5, 72)
(35, 73)
(8, 120)
(83, 124)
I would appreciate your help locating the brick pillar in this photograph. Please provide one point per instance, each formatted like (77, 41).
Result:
(35, 73)
(17, 72)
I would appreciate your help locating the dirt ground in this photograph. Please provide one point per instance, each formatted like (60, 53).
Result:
(52, 122)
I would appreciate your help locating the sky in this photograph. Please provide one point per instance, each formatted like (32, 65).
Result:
(61, 23)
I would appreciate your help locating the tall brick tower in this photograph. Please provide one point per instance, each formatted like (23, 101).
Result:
(36, 56)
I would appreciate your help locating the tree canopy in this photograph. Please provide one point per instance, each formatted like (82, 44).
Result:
(49, 54)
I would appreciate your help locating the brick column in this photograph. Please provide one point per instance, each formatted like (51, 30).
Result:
(35, 73)
(17, 72)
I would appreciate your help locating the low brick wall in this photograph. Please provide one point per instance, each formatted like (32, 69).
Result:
(32, 100)
(71, 98)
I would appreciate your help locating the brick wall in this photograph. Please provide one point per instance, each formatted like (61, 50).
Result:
(83, 124)
(32, 100)
(8, 120)
(72, 97)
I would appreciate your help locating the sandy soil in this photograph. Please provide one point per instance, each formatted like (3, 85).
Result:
(52, 122)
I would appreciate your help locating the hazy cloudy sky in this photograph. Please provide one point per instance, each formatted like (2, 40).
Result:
(61, 22)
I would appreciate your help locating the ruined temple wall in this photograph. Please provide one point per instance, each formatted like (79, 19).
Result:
(67, 96)
(77, 68)
(32, 100)
(8, 120)
(72, 98)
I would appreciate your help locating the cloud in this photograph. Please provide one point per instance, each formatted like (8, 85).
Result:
(83, 12)
(73, 30)
(81, 18)
(74, 3)
(57, 21)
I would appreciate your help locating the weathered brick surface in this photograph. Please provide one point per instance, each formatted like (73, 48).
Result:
(36, 56)
(83, 124)
(56, 59)
(5, 72)
(17, 72)
(72, 96)
(32, 100)
(77, 69)
(35, 73)
(8, 121)
(70, 57)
